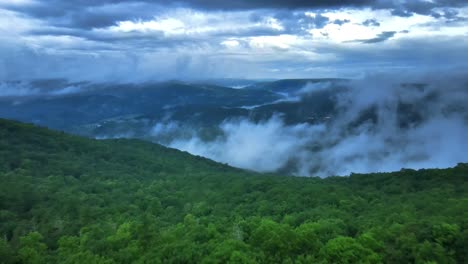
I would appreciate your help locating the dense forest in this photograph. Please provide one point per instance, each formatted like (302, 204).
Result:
(68, 199)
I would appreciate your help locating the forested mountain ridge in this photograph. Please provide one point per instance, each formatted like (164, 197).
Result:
(93, 109)
(78, 104)
(67, 199)
(38, 150)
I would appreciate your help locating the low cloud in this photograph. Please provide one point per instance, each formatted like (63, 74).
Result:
(265, 146)
(44, 88)
(10, 89)
(316, 87)
(381, 126)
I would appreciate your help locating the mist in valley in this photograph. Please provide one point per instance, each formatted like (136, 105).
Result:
(381, 124)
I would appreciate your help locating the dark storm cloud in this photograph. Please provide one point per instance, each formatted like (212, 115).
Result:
(272, 4)
(409, 6)
(88, 14)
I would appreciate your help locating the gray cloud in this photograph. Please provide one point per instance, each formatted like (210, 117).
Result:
(142, 60)
(103, 13)
(89, 14)
(371, 23)
(67, 40)
(408, 8)
(298, 22)
(291, 4)
(379, 38)
(413, 6)
(341, 21)
(320, 21)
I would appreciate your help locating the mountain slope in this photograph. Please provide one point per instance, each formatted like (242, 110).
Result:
(67, 199)
(39, 150)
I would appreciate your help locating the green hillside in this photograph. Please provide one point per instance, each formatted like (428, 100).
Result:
(67, 199)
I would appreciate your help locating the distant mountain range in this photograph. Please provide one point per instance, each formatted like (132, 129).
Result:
(98, 109)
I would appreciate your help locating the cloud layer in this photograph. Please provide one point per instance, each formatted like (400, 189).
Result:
(152, 40)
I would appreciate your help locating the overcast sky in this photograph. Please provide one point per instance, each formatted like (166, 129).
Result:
(169, 39)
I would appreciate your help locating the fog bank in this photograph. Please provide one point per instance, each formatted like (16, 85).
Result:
(381, 125)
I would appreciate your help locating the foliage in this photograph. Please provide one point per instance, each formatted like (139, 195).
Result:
(67, 199)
